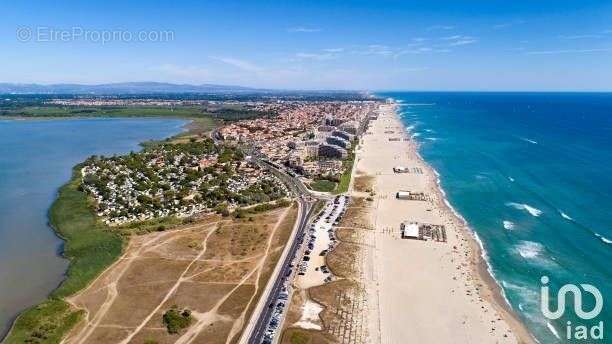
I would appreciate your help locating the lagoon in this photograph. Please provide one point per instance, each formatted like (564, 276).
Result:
(36, 158)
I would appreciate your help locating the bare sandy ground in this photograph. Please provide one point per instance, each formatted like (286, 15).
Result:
(424, 291)
(215, 269)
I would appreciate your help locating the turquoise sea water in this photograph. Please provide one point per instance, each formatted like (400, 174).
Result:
(36, 158)
(532, 175)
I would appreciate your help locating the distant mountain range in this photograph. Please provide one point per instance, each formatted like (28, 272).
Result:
(123, 88)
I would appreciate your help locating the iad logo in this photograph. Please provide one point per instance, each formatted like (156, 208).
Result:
(577, 331)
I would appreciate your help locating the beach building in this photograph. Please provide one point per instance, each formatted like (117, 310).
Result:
(403, 195)
(409, 230)
(401, 169)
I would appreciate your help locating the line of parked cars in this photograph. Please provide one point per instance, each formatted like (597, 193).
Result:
(331, 215)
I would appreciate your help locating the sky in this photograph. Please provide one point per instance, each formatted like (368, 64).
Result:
(535, 45)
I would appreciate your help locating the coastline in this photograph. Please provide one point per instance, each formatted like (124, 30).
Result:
(467, 250)
(482, 268)
(110, 246)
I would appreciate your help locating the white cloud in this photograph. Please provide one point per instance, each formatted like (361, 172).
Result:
(316, 56)
(303, 29)
(457, 40)
(440, 27)
(411, 69)
(463, 42)
(454, 37)
(377, 49)
(508, 24)
(585, 36)
(334, 50)
(421, 50)
(238, 63)
(569, 51)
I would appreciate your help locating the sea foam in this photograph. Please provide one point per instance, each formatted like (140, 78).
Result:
(521, 206)
(565, 216)
(509, 225)
(603, 238)
(529, 140)
(552, 329)
(529, 249)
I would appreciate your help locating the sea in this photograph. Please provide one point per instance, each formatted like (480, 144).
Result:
(36, 158)
(531, 173)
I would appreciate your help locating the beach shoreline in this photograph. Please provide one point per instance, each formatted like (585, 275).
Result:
(481, 268)
(462, 249)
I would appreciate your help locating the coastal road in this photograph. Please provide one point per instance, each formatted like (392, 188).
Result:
(258, 322)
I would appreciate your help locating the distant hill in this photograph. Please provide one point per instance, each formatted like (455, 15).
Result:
(122, 88)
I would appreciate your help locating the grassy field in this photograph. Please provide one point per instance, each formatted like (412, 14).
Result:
(345, 178)
(227, 113)
(323, 185)
(90, 249)
(136, 111)
(220, 265)
(44, 323)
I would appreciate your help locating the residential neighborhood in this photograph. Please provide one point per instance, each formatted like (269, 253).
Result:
(176, 179)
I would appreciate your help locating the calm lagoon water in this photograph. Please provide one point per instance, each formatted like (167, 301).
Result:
(36, 158)
(532, 175)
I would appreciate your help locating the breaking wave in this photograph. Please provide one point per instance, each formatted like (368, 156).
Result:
(521, 206)
(553, 330)
(565, 216)
(529, 249)
(603, 238)
(509, 225)
(529, 140)
(599, 236)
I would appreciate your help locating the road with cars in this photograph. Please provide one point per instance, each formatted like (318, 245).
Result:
(261, 327)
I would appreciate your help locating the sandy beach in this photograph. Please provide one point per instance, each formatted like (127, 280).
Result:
(426, 291)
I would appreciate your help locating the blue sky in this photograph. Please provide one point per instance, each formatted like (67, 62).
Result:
(408, 45)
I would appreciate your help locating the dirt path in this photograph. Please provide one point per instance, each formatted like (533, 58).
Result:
(112, 290)
(240, 321)
(171, 291)
(106, 295)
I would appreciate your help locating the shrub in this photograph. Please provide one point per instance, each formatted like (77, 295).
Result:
(176, 320)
